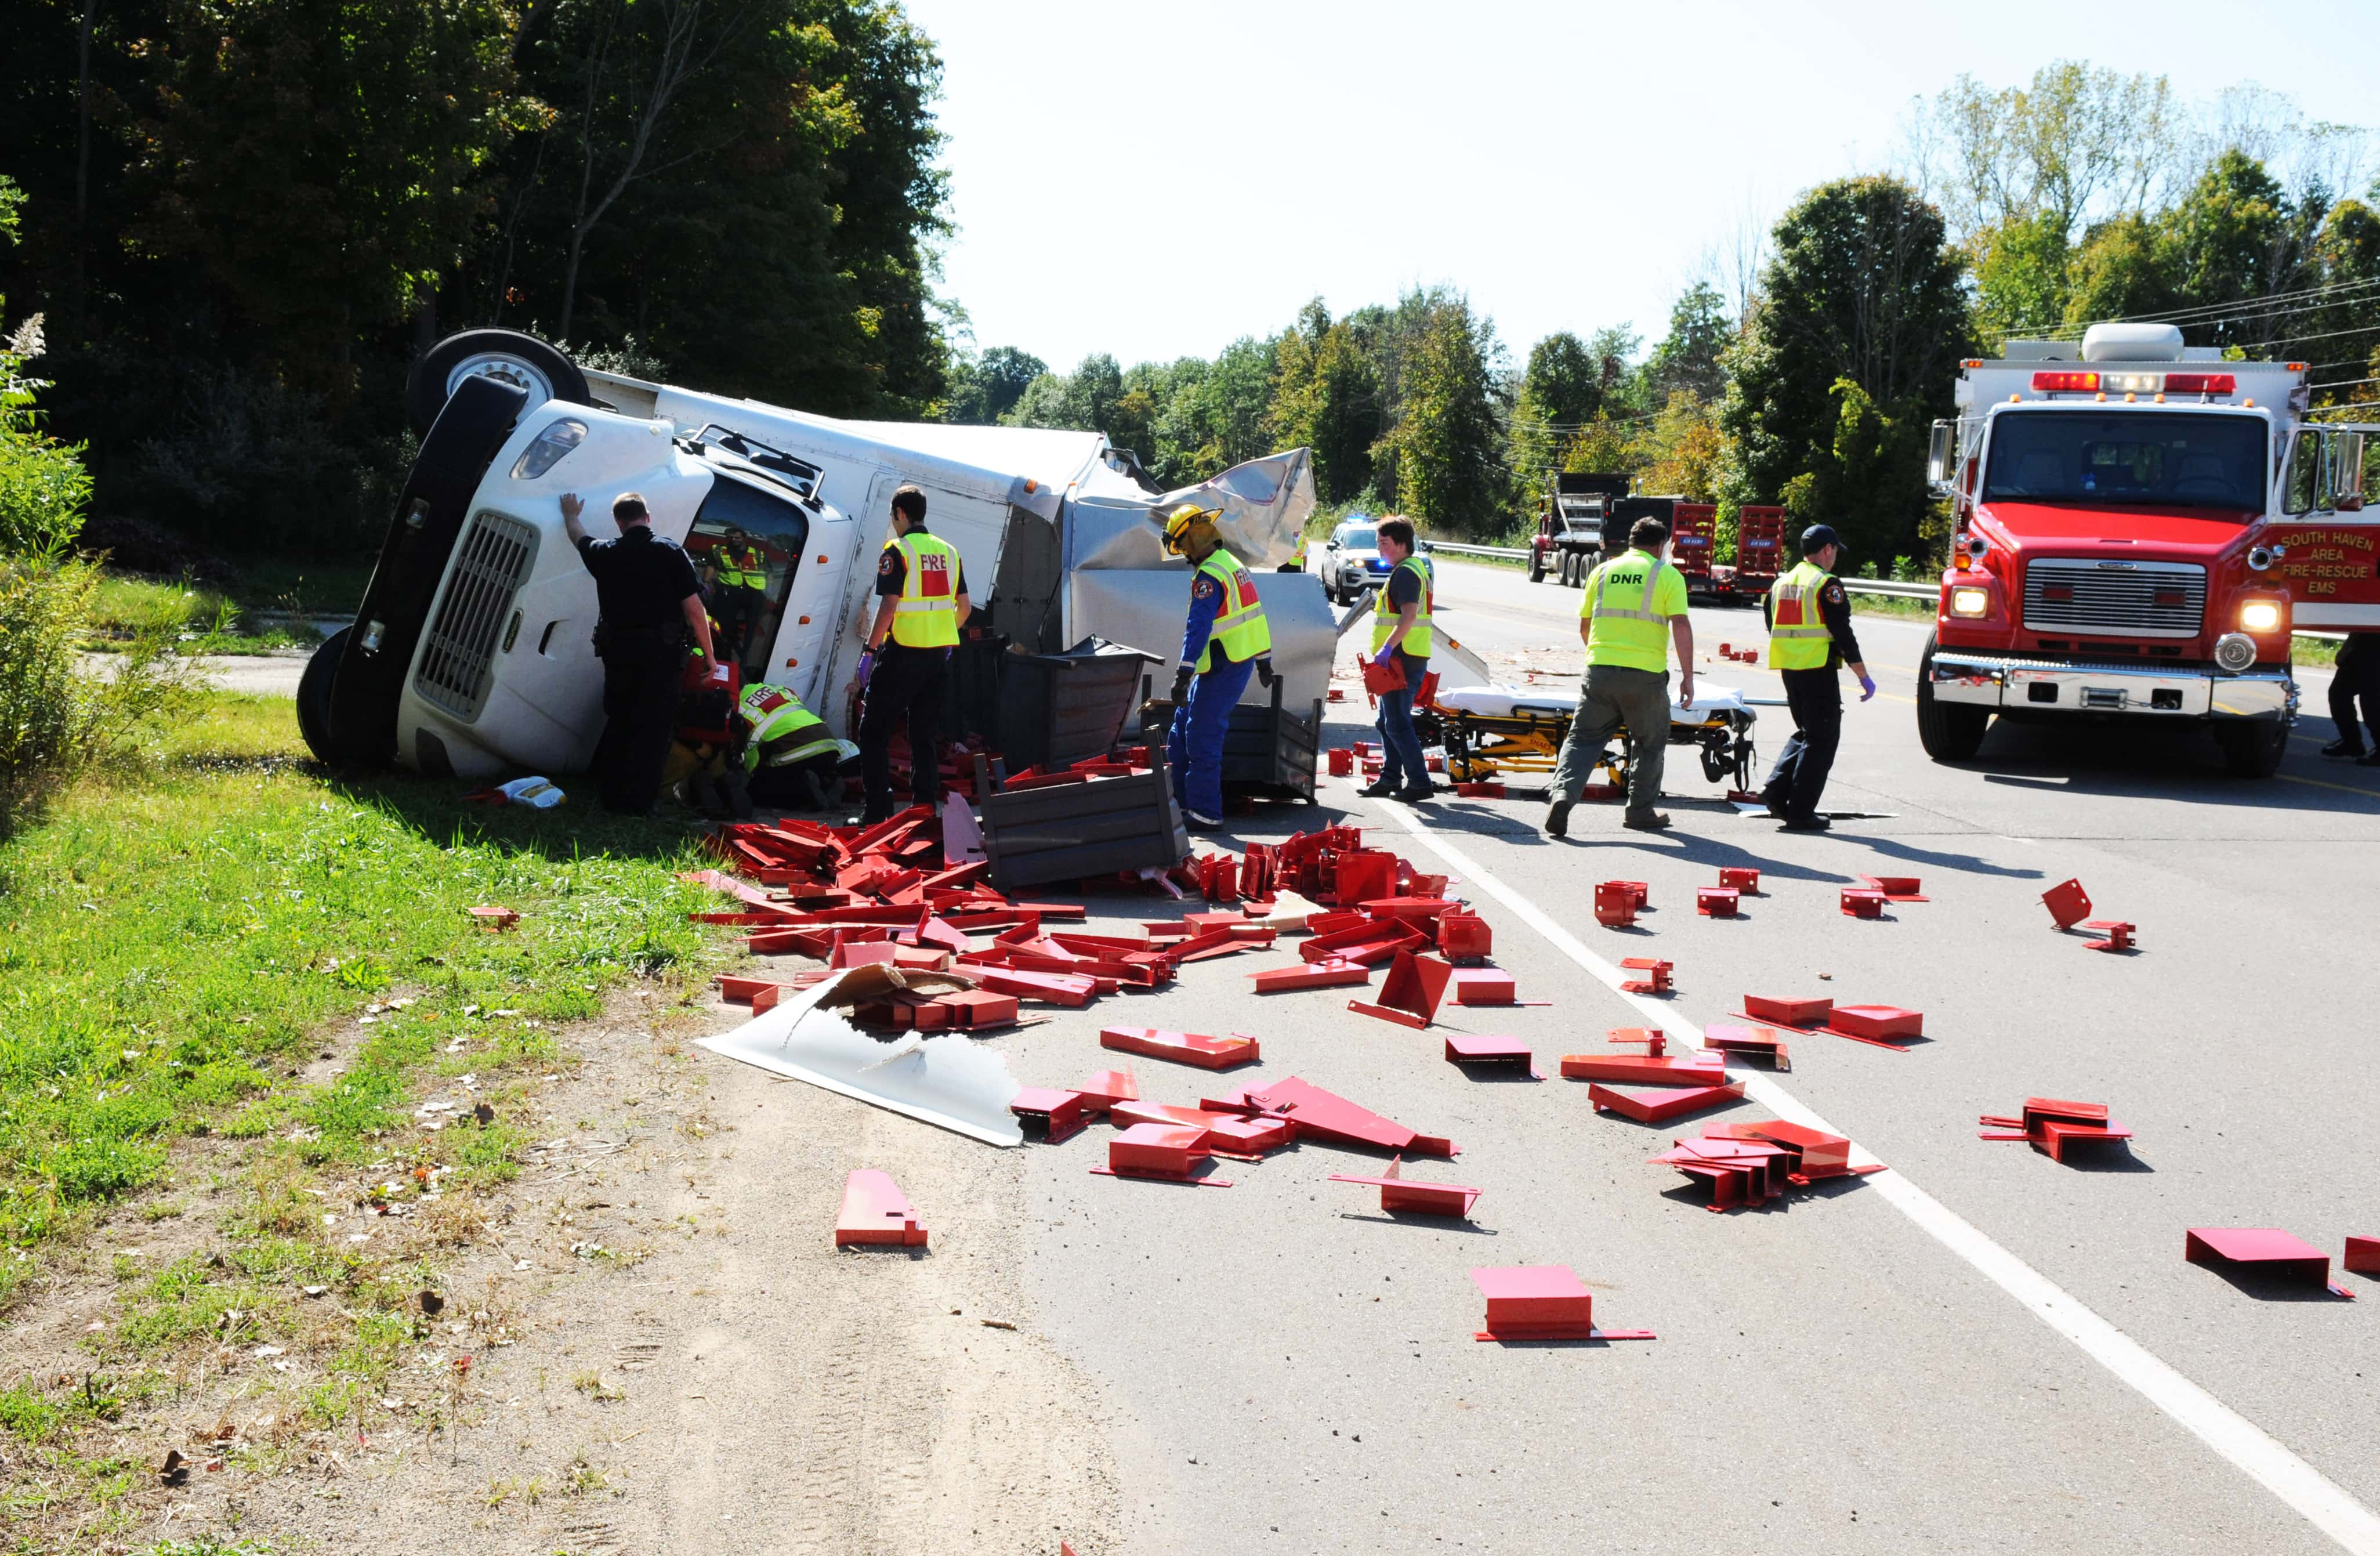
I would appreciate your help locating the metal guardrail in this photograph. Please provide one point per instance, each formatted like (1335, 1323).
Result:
(1514, 554)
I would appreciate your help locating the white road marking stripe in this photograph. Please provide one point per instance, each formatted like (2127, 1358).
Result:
(2314, 1496)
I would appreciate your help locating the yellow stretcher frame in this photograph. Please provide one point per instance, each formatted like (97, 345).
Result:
(1484, 745)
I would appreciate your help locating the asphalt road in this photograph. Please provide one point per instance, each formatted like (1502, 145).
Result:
(1978, 1350)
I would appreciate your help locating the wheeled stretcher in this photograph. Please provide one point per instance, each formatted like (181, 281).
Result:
(1495, 731)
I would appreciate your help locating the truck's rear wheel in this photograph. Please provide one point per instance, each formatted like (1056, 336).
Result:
(1949, 731)
(1536, 566)
(314, 698)
(507, 355)
(2253, 749)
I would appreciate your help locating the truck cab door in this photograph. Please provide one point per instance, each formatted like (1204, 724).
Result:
(2328, 536)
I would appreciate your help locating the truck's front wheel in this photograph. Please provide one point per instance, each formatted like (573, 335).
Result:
(1949, 731)
(314, 698)
(2253, 749)
(1536, 564)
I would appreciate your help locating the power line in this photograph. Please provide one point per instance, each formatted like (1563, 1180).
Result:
(2187, 315)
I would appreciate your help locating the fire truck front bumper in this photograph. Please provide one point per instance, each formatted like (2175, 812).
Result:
(2029, 683)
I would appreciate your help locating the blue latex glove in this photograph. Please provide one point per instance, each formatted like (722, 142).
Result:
(1867, 689)
(867, 664)
(1388, 652)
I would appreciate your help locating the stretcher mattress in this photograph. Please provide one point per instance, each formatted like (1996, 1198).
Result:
(1508, 702)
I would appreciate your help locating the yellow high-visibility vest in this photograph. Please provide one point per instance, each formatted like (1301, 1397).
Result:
(1240, 625)
(1384, 615)
(777, 715)
(928, 617)
(1624, 627)
(1799, 637)
(742, 568)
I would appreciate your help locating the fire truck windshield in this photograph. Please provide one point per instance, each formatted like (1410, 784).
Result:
(2126, 458)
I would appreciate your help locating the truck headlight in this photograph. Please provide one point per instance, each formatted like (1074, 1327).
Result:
(544, 454)
(2260, 616)
(2235, 651)
(1970, 601)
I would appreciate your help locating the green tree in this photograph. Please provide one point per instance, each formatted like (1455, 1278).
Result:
(2023, 275)
(1326, 397)
(2125, 268)
(1863, 288)
(1562, 388)
(1687, 358)
(1449, 439)
(985, 388)
(320, 164)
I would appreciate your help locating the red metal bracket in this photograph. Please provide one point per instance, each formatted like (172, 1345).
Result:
(495, 917)
(1464, 1048)
(1225, 1133)
(1750, 1042)
(1739, 877)
(1615, 904)
(1182, 1048)
(1641, 1069)
(1716, 902)
(2271, 1249)
(1319, 975)
(1411, 993)
(1105, 1088)
(1878, 1025)
(1658, 1104)
(2052, 1125)
(1541, 1302)
(2119, 934)
(1398, 1192)
(2067, 903)
(1656, 980)
(1859, 903)
(2363, 1256)
(1464, 937)
(1162, 1152)
(1312, 1110)
(1896, 888)
(1485, 986)
(876, 1213)
(1049, 1116)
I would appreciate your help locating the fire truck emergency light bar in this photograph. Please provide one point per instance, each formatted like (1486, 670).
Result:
(2140, 383)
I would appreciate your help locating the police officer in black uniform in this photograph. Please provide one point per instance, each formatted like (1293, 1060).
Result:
(648, 602)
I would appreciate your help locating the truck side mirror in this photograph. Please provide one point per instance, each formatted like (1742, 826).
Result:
(1939, 456)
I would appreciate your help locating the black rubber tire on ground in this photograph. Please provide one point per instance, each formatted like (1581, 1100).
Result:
(2253, 749)
(533, 364)
(1562, 567)
(1536, 566)
(1949, 731)
(314, 698)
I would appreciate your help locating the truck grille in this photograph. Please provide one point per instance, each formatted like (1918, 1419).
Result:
(2116, 600)
(460, 648)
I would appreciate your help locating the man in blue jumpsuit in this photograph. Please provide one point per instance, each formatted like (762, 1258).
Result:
(1224, 641)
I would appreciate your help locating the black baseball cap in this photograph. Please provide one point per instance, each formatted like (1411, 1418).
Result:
(1817, 537)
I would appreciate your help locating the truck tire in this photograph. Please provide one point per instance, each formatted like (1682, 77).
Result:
(314, 698)
(1536, 566)
(1949, 731)
(504, 355)
(2253, 749)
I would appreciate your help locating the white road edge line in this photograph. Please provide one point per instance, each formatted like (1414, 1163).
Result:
(2313, 1495)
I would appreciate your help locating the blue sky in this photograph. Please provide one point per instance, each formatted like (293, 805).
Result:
(1156, 181)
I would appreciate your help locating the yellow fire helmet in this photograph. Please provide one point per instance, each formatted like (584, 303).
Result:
(1182, 522)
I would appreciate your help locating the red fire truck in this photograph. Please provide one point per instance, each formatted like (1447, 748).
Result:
(2138, 526)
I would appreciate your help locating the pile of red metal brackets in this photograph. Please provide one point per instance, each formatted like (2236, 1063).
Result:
(1884, 1027)
(1410, 994)
(876, 1214)
(1653, 1087)
(2054, 1127)
(1182, 1048)
(1541, 1302)
(1221, 1133)
(1314, 1114)
(1400, 1194)
(2268, 1249)
(1753, 1163)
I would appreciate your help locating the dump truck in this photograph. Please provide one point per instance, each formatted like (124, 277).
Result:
(1569, 540)
(471, 653)
(2138, 526)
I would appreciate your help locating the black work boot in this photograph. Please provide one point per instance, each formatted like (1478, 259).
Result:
(2346, 746)
(1652, 820)
(1558, 818)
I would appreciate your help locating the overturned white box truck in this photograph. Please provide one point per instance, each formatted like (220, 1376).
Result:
(471, 655)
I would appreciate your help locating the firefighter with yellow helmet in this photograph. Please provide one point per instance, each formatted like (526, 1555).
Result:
(1224, 641)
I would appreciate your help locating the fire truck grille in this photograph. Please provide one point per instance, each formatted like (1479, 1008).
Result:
(458, 654)
(2115, 600)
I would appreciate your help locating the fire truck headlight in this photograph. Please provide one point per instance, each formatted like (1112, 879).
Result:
(1970, 601)
(2235, 651)
(2260, 616)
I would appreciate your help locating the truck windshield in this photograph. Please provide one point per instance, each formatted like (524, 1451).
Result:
(2129, 459)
